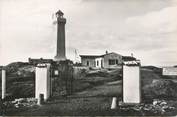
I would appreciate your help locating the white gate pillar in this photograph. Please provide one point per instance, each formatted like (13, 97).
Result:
(131, 84)
(43, 81)
(3, 83)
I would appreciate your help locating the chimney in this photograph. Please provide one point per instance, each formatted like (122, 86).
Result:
(106, 52)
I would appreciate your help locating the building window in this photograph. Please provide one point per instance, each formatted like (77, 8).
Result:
(56, 72)
(87, 63)
(116, 61)
(97, 63)
(113, 62)
(101, 63)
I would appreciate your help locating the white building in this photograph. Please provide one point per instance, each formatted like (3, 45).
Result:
(108, 60)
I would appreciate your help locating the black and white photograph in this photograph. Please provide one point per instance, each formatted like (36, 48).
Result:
(88, 57)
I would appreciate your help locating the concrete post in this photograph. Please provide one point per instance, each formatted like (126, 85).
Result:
(3, 84)
(114, 103)
(131, 84)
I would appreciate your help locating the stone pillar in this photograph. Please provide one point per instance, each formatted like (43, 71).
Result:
(131, 84)
(61, 21)
(43, 81)
(3, 84)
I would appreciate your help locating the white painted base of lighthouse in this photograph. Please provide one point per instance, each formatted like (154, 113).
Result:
(43, 81)
(131, 84)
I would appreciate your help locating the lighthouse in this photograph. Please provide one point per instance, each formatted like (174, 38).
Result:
(61, 21)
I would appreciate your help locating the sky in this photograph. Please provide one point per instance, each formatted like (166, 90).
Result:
(146, 28)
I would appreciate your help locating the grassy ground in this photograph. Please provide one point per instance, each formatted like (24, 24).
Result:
(94, 101)
(93, 95)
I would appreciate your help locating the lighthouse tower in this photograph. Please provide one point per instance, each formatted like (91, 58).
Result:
(61, 21)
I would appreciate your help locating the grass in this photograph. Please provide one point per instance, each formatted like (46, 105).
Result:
(92, 96)
(92, 101)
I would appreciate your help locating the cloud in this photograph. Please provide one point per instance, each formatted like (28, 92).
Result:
(156, 26)
(162, 21)
(155, 33)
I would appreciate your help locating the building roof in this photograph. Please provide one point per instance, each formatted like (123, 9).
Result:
(109, 53)
(128, 58)
(125, 58)
(89, 56)
(96, 56)
(40, 60)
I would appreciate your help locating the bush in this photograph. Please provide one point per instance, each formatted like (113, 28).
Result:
(161, 89)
